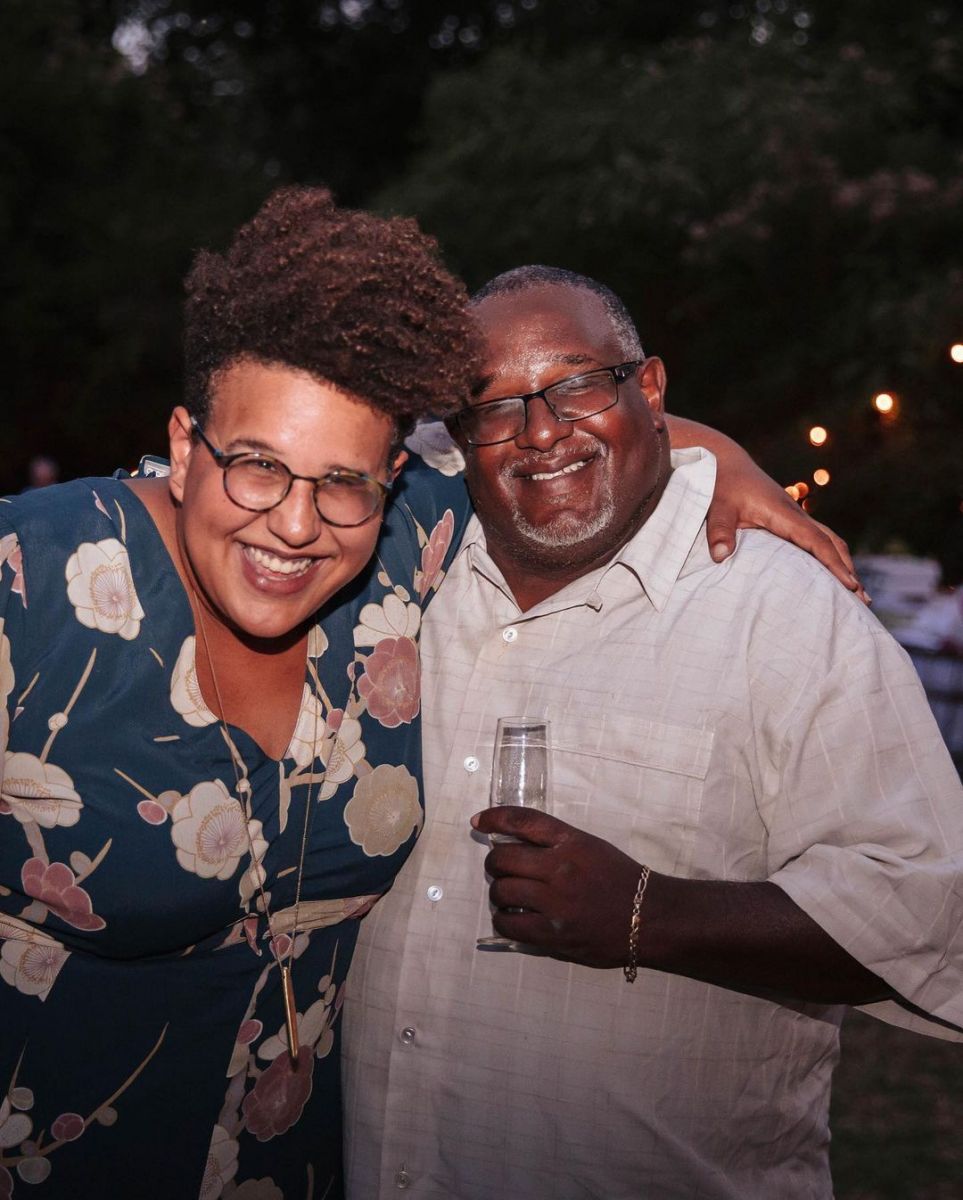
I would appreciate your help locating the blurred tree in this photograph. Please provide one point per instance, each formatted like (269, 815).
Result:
(104, 193)
(780, 212)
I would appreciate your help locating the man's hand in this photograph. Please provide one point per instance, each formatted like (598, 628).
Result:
(577, 892)
(576, 889)
(746, 498)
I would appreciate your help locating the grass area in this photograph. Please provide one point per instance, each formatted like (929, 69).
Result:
(897, 1115)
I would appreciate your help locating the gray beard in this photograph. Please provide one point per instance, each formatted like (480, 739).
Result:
(566, 531)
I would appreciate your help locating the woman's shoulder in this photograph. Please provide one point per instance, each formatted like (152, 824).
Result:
(79, 508)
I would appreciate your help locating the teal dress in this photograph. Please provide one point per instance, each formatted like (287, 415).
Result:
(143, 1049)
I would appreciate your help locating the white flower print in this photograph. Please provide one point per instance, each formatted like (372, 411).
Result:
(310, 725)
(37, 791)
(392, 619)
(344, 754)
(317, 642)
(186, 697)
(384, 810)
(221, 1164)
(208, 829)
(15, 1127)
(259, 845)
(7, 683)
(436, 446)
(101, 588)
(31, 963)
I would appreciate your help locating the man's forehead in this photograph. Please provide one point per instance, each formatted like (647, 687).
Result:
(564, 324)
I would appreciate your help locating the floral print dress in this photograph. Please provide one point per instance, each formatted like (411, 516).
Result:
(143, 1049)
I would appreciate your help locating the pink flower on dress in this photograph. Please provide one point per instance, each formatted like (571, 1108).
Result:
(433, 555)
(278, 1098)
(56, 887)
(68, 1127)
(391, 683)
(152, 812)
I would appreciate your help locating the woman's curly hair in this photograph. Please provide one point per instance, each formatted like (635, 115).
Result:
(356, 300)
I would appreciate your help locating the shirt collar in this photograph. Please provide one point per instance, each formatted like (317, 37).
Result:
(656, 555)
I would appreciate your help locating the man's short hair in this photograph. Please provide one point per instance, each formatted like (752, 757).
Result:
(356, 300)
(521, 278)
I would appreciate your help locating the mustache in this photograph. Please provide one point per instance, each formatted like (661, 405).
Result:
(530, 461)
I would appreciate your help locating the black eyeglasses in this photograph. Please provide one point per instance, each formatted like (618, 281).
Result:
(569, 400)
(258, 482)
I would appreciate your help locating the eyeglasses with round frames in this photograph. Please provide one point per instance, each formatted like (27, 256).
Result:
(259, 482)
(571, 399)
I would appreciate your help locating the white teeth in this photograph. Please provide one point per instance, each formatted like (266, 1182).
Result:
(280, 566)
(572, 467)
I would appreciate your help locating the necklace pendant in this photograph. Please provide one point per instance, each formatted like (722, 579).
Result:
(290, 1011)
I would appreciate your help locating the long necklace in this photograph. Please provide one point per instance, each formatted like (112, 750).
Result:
(284, 962)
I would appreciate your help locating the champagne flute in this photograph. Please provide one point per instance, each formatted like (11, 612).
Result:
(521, 775)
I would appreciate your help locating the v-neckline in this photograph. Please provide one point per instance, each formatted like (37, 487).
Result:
(185, 619)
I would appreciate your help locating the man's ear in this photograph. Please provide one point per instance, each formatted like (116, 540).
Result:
(181, 442)
(397, 463)
(652, 384)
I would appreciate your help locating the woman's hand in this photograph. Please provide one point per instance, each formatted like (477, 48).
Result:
(747, 498)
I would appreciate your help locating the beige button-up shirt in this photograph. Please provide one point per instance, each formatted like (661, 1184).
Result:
(747, 720)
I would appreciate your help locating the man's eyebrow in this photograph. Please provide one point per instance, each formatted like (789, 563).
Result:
(484, 382)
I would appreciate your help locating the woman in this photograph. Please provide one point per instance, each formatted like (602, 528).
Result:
(185, 702)
(210, 718)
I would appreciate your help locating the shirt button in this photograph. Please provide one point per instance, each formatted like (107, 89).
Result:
(510, 634)
(407, 1036)
(471, 763)
(402, 1180)
(434, 892)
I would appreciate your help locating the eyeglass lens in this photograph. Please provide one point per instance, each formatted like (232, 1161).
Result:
(260, 483)
(569, 400)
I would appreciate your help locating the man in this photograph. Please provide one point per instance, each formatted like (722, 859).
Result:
(753, 812)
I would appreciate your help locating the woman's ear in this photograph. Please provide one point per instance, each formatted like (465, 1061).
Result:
(397, 463)
(180, 435)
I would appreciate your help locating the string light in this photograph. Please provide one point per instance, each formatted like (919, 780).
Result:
(818, 435)
(821, 477)
(884, 402)
(956, 352)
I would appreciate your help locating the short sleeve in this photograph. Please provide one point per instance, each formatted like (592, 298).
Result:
(434, 509)
(866, 835)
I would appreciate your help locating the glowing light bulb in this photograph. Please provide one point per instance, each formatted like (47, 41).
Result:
(821, 477)
(884, 402)
(818, 435)
(956, 352)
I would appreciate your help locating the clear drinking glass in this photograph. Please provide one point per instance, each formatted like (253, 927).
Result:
(521, 775)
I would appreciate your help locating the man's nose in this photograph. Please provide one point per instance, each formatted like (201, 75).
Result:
(296, 520)
(542, 429)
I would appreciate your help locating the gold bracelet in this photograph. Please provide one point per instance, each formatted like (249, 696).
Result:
(631, 969)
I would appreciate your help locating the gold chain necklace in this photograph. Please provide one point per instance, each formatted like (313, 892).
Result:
(244, 788)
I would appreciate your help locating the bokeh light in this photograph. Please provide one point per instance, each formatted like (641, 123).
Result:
(884, 402)
(956, 352)
(818, 435)
(821, 477)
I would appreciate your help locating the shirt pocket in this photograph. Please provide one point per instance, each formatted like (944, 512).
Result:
(636, 782)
